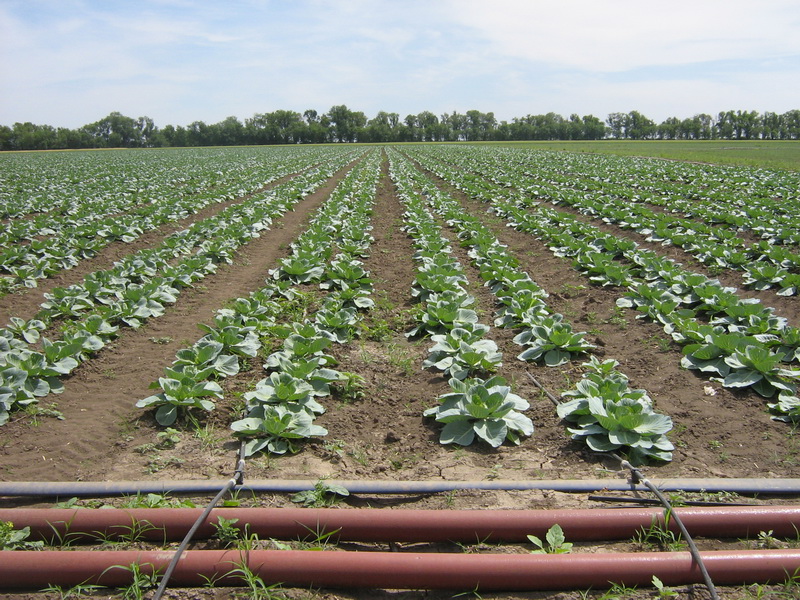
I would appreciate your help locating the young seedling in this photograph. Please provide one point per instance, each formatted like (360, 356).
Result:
(555, 542)
(663, 591)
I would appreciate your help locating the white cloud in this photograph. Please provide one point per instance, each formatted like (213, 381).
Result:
(70, 62)
(620, 35)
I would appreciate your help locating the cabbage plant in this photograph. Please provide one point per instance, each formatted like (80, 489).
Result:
(607, 415)
(181, 391)
(274, 427)
(551, 340)
(486, 409)
(462, 352)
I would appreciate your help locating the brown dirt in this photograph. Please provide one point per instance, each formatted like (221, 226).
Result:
(383, 436)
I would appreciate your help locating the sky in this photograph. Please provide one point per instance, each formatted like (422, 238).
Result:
(68, 63)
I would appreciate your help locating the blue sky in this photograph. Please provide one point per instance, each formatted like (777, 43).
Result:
(71, 62)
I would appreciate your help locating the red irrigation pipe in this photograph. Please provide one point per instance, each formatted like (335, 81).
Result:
(405, 525)
(397, 570)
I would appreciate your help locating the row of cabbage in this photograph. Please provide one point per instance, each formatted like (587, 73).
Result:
(127, 205)
(740, 342)
(771, 262)
(603, 410)
(282, 407)
(761, 201)
(87, 315)
(475, 407)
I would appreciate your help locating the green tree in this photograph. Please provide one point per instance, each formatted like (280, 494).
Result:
(639, 127)
(345, 123)
(670, 129)
(790, 125)
(197, 134)
(616, 125)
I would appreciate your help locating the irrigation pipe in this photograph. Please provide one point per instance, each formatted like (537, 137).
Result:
(96, 489)
(397, 570)
(400, 525)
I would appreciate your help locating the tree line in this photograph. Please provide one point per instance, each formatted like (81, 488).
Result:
(340, 124)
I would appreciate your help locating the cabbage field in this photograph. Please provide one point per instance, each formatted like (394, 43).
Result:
(398, 313)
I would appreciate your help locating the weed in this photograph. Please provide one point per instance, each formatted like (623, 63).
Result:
(131, 534)
(318, 539)
(141, 580)
(323, 494)
(618, 318)
(76, 591)
(450, 498)
(663, 591)
(359, 455)
(378, 330)
(248, 541)
(617, 591)
(34, 411)
(159, 463)
(350, 387)
(155, 501)
(660, 536)
(16, 539)
(334, 447)
(402, 461)
(494, 472)
(402, 359)
(767, 540)
(161, 340)
(661, 344)
(226, 532)
(207, 436)
(148, 448)
(722, 496)
(473, 593)
(168, 438)
(62, 539)
(257, 589)
(478, 546)
(569, 290)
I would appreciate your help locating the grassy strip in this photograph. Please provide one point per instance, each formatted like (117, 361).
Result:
(768, 154)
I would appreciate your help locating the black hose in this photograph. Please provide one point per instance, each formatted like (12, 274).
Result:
(237, 478)
(638, 477)
(633, 500)
(552, 398)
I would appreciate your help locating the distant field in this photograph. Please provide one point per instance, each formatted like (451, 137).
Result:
(751, 153)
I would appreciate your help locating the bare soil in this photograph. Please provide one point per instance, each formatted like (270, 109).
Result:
(383, 436)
